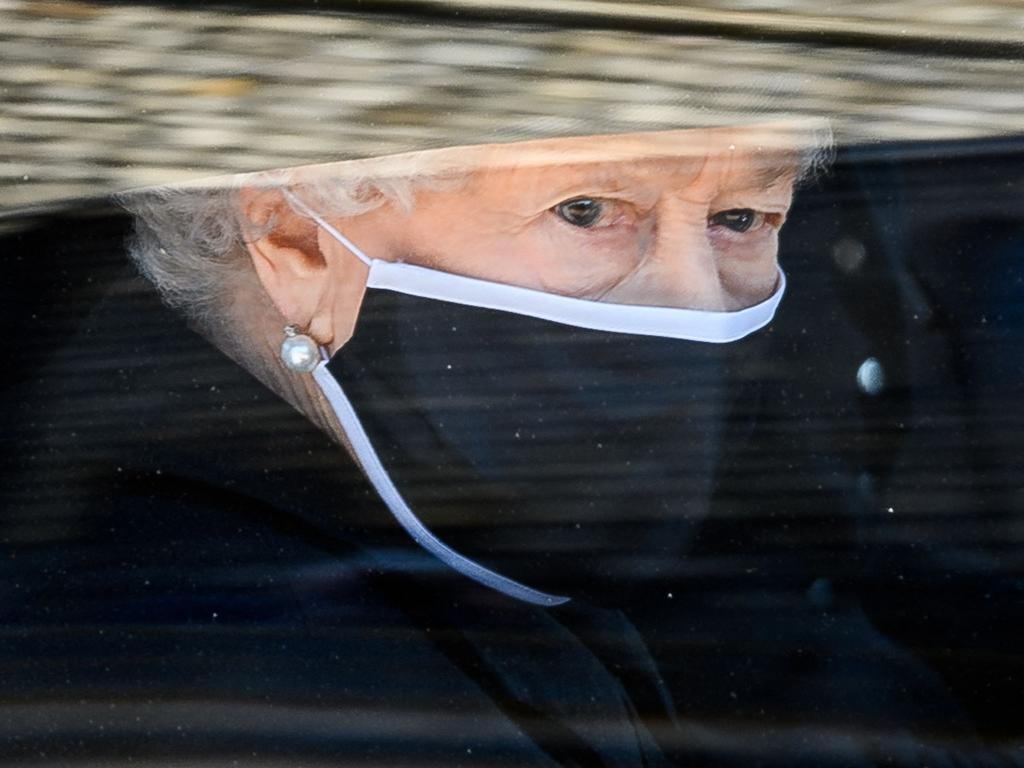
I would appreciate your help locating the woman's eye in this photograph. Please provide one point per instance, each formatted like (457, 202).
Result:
(737, 219)
(581, 212)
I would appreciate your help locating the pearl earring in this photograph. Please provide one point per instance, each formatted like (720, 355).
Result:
(299, 352)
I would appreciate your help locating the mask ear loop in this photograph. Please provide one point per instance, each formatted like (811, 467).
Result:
(377, 474)
(392, 498)
(303, 208)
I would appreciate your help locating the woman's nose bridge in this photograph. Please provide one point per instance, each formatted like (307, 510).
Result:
(684, 257)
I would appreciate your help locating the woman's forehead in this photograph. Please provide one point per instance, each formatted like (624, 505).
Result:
(629, 150)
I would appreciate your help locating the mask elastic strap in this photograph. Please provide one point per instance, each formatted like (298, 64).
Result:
(378, 475)
(390, 495)
(302, 207)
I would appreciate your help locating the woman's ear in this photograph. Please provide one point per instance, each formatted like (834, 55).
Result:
(317, 291)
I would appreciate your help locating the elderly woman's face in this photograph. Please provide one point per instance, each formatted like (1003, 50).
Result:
(698, 232)
(685, 219)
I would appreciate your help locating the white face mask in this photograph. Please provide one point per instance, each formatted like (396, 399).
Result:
(464, 294)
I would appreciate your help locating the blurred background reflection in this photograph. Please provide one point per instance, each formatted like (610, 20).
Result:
(104, 96)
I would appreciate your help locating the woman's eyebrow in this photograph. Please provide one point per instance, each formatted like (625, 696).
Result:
(595, 180)
(605, 175)
(621, 175)
(768, 174)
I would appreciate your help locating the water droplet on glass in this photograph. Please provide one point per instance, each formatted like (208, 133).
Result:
(849, 254)
(871, 377)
